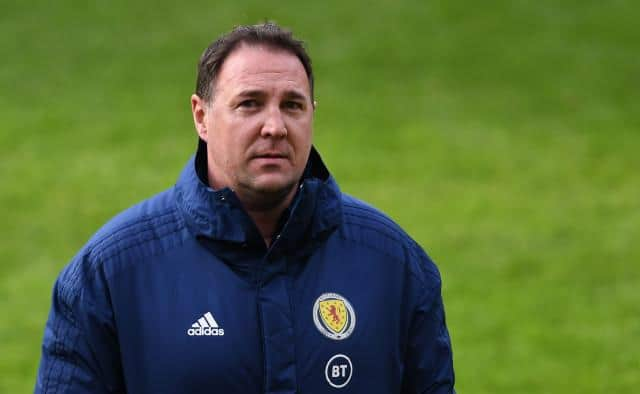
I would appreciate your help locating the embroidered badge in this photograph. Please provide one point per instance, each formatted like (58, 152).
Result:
(334, 316)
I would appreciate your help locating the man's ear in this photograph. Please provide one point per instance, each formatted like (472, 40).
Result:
(198, 109)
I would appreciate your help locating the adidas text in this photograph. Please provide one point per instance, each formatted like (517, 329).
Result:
(205, 326)
(207, 331)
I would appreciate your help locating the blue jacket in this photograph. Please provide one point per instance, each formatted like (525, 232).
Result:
(179, 294)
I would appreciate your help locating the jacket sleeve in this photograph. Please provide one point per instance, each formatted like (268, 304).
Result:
(429, 358)
(79, 350)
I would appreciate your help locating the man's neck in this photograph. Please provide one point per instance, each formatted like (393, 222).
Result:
(266, 216)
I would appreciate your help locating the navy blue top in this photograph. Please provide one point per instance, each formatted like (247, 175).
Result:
(180, 294)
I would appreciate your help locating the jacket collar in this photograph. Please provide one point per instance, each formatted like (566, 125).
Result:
(218, 214)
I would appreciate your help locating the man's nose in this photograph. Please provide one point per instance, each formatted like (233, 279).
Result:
(274, 124)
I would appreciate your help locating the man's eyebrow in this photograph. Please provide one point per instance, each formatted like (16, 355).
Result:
(257, 93)
(294, 94)
(251, 93)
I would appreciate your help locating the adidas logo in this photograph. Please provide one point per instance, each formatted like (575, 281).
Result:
(205, 326)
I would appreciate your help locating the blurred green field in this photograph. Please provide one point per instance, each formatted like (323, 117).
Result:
(503, 135)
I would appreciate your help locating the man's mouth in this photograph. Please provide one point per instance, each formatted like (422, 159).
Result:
(271, 155)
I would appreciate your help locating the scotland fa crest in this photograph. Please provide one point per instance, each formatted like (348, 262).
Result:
(334, 316)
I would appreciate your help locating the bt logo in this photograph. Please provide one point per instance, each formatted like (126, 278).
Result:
(338, 371)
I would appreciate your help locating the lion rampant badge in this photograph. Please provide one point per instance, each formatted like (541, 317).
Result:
(334, 316)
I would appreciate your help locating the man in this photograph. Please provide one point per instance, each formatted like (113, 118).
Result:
(254, 274)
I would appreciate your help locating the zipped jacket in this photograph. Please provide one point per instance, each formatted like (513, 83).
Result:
(180, 294)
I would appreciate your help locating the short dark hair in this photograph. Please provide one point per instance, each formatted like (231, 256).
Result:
(268, 34)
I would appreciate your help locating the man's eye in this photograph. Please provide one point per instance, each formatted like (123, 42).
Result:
(293, 105)
(248, 104)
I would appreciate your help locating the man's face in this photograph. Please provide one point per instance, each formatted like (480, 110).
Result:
(259, 124)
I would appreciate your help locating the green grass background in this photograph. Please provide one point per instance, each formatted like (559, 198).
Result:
(503, 135)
